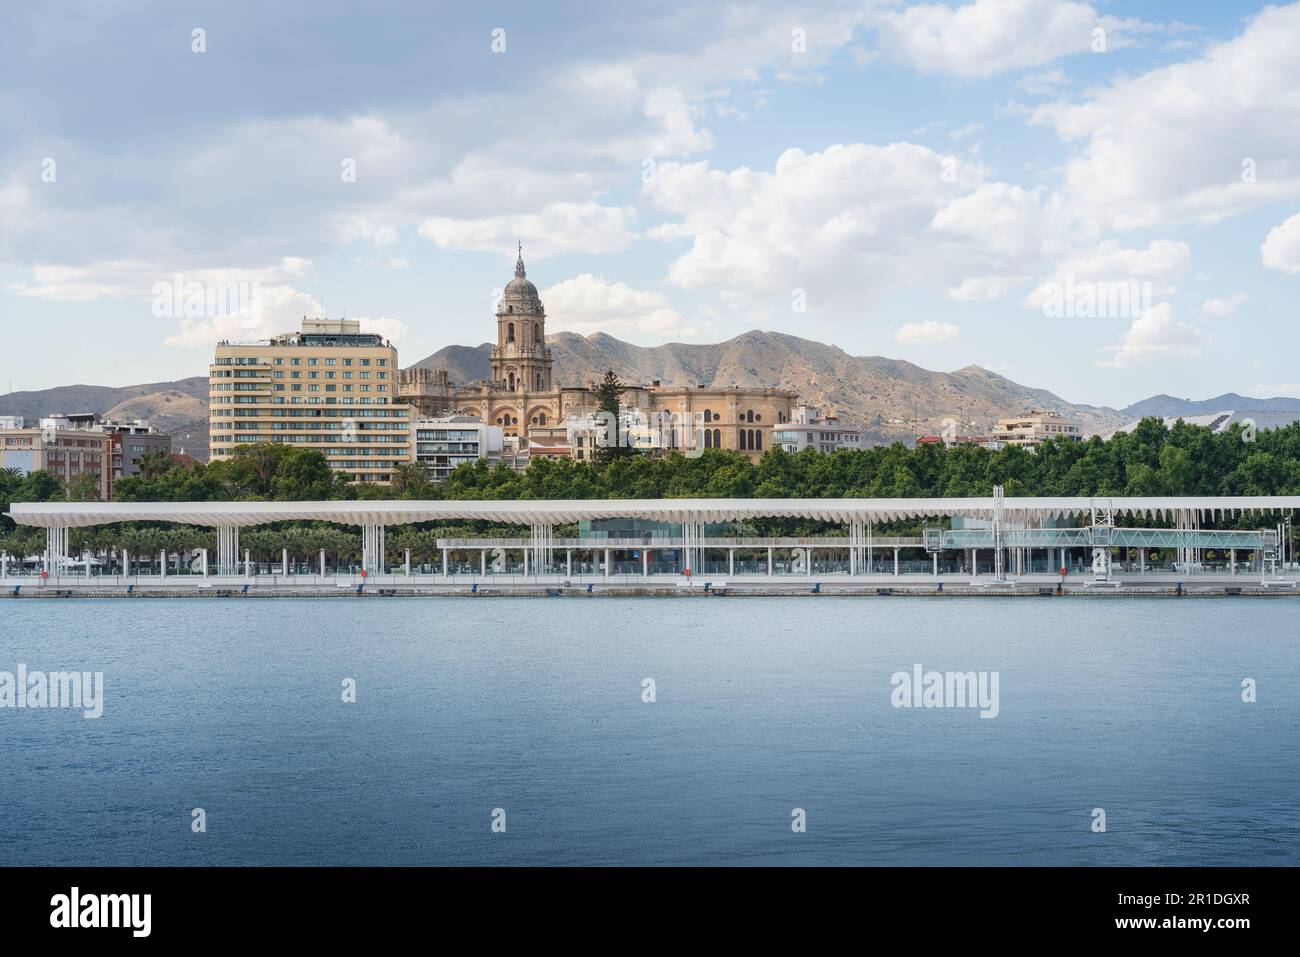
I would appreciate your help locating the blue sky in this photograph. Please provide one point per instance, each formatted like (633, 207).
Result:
(909, 180)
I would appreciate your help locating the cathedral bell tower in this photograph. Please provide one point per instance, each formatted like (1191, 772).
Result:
(521, 362)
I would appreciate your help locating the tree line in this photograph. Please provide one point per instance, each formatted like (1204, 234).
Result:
(1151, 460)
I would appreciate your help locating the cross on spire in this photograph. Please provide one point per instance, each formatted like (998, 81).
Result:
(519, 263)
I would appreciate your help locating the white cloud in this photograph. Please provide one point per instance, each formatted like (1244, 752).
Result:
(1281, 249)
(969, 131)
(1194, 141)
(558, 228)
(386, 326)
(839, 224)
(275, 309)
(991, 36)
(1108, 262)
(926, 333)
(1041, 84)
(587, 304)
(1223, 307)
(978, 289)
(1156, 334)
(114, 279)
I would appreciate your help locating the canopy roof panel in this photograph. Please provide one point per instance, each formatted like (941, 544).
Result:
(555, 512)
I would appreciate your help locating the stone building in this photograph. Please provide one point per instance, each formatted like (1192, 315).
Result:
(522, 398)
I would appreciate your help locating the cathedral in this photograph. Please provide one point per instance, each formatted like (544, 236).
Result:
(542, 418)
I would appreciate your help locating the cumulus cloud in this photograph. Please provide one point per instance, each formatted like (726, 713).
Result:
(838, 224)
(1281, 249)
(1194, 141)
(926, 333)
(992, 36)
(266, 311)
(558, 228)
(1223, 307)
(1108, 262)
(586, 304)
(1156, 334)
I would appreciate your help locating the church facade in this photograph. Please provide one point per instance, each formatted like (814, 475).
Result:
(547, 419)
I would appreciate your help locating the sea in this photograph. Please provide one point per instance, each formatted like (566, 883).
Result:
(808, 730)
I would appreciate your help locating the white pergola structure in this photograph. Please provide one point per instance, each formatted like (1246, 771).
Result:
(1003, 523)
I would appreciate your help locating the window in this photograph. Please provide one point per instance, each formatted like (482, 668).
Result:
(510, 329)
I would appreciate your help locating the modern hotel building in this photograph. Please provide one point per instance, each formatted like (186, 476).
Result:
(329, 387)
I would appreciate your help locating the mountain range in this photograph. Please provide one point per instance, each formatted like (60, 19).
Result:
(889, 398)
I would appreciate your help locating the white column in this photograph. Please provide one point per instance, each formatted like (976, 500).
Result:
(162, 565)
(86, 556)
(810, 562)
(568, 563)
(731, 563)
(322, 563)
(56, 549)
(935, 562)
(284, 562)
(228, 550)
(248, 565)
(482, 562)
(126, 563)
(607, 563)
(895, 562)
(445, 562)
(526, 562)
(645, 563)
(769, 561)
(408, 563)
(4, 567)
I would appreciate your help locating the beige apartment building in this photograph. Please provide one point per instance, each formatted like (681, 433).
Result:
(329, 387)
(1034, 428)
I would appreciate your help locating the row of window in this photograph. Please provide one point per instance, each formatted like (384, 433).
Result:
(749, 415)
(300, 400)
(296, 361)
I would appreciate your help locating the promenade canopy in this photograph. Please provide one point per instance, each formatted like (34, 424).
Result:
(556, 512)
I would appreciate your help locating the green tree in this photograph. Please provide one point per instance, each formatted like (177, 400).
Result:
(609, 403)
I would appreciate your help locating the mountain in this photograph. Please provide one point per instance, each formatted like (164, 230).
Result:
(889, 398)
(1166, 406)
(464, 364)
(178, 408)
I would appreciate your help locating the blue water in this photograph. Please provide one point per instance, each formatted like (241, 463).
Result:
(763, 705)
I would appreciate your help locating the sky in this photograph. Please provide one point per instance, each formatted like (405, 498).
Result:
(1097, 199)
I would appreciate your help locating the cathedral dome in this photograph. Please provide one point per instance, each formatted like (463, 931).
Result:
(520, 288)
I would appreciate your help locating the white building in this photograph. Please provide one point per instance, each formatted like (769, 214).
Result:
(808, 430)
(443, 444)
